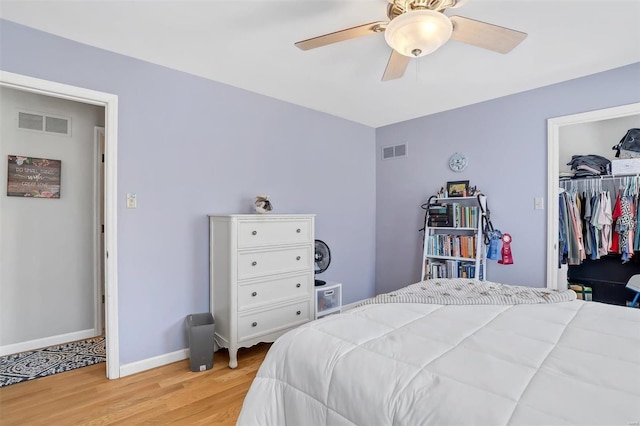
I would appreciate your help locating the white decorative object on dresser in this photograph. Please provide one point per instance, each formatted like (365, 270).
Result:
(261, 277)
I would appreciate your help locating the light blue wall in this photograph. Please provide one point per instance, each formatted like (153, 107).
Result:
(506, 142)
(189, 147)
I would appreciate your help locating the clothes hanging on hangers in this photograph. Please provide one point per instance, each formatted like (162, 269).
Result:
(625, 220)
(571, 228)
(604, 223)
(636, 239)
(586, 216)
(590, 226)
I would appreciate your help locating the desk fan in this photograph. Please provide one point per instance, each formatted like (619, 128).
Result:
(322, 259)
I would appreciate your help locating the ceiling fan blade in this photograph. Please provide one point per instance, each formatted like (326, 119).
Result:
(396, 66)
(342, 35)
(488, 36)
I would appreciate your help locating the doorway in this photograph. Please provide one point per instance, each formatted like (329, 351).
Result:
(110, 104)
(554, 141)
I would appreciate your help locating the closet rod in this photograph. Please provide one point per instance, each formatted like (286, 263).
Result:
(597, 178)
(600, 177)
(629, 183)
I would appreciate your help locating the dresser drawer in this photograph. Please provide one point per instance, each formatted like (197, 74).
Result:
(253, 264)
(257, 233)
(272, 290)
(264, 322)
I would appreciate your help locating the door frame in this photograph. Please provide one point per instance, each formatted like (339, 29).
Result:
(110, 103)
(553, 173)
(98, 229)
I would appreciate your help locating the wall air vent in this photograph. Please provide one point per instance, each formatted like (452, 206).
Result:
(56, 125)
(30, 121)
(387, 152)
(44, 123)
(395, 151)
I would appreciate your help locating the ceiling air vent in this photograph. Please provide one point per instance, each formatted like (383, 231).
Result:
(389, 152)
(44, 123)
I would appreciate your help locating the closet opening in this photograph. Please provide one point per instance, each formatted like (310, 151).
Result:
(591, 133)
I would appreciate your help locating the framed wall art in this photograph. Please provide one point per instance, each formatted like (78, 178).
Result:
(458, 188)
(33, 177)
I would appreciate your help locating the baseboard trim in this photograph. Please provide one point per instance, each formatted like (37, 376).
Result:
(160, 360)
(351, 305)
(44, 342)
(156, 361)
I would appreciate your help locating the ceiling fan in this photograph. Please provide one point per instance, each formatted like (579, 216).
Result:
(419, 27)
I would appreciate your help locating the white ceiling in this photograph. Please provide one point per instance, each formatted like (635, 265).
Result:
(249, 44)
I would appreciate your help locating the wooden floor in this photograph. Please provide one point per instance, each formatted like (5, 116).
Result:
(171, 394)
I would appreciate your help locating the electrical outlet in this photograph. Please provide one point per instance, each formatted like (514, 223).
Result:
(132, 201)
(538, 203)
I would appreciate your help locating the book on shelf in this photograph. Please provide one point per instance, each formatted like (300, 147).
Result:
(453, 214)
(452, 245)
(449, 269)
(438, 209)
(440, 215)
(445, 223)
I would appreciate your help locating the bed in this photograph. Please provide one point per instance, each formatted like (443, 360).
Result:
(400, 359)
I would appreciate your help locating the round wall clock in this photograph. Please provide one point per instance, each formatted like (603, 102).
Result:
(458, 162)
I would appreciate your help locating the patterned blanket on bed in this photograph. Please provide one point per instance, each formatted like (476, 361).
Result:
(461, 291)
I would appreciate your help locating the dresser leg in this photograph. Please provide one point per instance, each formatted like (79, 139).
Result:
(233, 357)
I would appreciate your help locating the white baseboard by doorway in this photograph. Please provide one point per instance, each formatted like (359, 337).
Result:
(47, 341)
(153, 362)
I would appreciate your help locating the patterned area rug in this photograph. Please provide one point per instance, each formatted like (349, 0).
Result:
(24, 366)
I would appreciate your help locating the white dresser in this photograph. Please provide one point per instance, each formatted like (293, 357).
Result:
(261, 277)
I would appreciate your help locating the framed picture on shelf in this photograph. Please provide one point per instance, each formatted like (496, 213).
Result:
(458, 188)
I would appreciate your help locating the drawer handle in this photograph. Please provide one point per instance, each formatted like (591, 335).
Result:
(254, 263)
(298, 285)
(298, 230)
(297, 257)
(298, 313)
(254, 294)
(328, 293)
(254, 233)
(254, 324)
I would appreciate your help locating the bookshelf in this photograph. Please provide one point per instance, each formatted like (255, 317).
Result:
(453, 244)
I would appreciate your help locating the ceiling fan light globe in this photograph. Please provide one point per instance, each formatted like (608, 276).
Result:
(418, 32)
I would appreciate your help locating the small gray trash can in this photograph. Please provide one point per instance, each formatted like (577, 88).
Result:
(200, 329)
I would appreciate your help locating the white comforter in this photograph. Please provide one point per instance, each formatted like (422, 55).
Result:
(416, 364)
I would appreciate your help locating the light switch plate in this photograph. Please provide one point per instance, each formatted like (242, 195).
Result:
(132, 201)
(538, 203)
